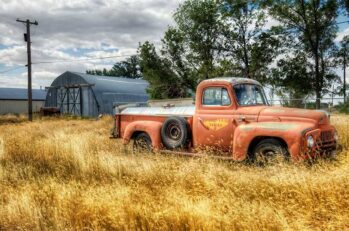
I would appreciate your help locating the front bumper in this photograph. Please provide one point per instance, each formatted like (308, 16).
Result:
(325, 146)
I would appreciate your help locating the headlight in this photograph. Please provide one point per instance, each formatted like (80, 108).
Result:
(335, 136)
(310, 142)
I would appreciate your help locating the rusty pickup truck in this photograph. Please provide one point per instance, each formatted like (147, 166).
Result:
(231, 115)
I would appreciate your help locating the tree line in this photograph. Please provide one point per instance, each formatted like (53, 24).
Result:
(296, 57)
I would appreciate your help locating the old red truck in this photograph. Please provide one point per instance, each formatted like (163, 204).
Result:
(231, 115)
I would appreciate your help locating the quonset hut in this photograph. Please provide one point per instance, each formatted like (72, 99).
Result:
(90, 95)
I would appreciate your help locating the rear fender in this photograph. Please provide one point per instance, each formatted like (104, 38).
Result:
(291, 133)
(152, 128)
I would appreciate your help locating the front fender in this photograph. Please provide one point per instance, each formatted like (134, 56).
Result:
(291, 133)
(152, 128)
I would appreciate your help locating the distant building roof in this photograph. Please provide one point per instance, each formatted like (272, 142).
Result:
(21, 94)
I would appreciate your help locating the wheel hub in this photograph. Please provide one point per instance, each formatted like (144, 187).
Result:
(174, 132)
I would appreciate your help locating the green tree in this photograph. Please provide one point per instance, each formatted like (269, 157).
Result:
(343, 61)
(128, 68)
(294, 78)
(199, 23)
(245, 42)
(189, 51)
(313, 22)
(173, 49)
(345, 5)
(164, 82)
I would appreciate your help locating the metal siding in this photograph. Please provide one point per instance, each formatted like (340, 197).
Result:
(85, 101)
(18, 106)
(51, 98)
(111, 99)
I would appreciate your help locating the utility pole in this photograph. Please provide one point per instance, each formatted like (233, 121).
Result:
(344, 75)
(29, 65)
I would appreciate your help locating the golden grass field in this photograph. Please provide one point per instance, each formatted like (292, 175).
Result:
(66, 174)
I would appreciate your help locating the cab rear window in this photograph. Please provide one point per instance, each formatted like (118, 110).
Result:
(216, 96)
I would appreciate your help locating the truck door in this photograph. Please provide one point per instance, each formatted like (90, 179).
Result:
(214, 121)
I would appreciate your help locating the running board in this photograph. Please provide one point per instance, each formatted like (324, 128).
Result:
(195, 155)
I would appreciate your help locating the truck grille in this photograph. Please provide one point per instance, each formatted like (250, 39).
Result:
(326, 136)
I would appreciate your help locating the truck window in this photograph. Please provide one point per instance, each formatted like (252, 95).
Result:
(250, 94)
(216, 96)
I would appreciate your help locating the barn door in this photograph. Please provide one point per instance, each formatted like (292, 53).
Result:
(69, 100)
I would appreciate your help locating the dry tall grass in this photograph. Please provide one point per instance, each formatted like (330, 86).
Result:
(68, 175)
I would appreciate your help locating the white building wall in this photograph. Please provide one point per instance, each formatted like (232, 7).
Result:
(18, 106)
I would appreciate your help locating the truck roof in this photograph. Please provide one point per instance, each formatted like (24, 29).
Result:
(233, 80)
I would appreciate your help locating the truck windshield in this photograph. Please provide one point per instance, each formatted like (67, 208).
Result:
(249, 95)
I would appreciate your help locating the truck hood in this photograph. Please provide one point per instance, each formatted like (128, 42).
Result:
(293, 114)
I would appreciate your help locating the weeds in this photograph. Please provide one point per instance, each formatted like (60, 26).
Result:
(59, 174)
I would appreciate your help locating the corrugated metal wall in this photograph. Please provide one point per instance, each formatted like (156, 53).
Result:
(18, 106)
(85, 104)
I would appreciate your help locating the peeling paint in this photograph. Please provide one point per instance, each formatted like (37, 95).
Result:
(269, 126)
(246, 128)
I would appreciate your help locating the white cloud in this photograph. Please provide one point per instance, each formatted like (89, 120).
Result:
(104, 27)
(341, 34)
(270, 22)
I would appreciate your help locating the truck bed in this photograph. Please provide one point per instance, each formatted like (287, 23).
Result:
(185, 111)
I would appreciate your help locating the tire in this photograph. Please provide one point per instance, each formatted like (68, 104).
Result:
(142, 143)
(175, 133)
(269, 151)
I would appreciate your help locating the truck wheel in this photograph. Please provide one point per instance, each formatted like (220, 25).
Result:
(142, 143)
(175, 133)
(268, 151)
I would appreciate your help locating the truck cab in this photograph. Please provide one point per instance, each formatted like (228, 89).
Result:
(231, 115)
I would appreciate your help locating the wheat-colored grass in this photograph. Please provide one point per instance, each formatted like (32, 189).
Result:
(64, 174)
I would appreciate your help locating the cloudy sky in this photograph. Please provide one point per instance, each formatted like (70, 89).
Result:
(76, 29)
(79, 29)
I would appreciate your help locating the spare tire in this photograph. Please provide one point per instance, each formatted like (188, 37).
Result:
(175, 133)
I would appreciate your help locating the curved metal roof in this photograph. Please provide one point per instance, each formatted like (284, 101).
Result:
(102, 83)
(107, 90)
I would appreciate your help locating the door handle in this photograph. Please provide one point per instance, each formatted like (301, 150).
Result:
(242, 119)
(202, 123)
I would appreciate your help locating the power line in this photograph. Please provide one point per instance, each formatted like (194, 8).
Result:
(79, 60)
(119, 56)
(12, 69)
(341, 22)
